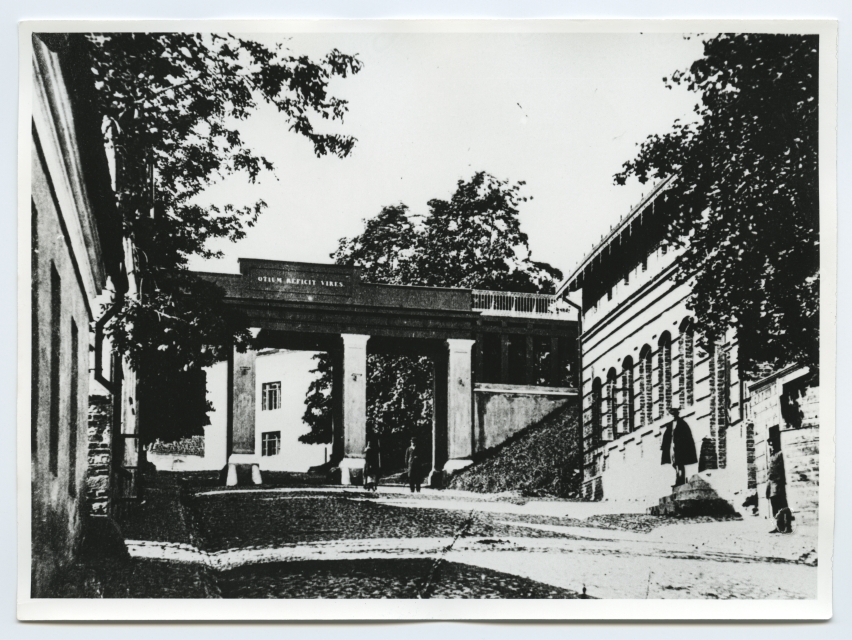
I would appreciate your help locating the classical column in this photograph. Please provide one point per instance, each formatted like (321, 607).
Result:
(439, 420)
(243, 400)
(354, 387)
(459, 404)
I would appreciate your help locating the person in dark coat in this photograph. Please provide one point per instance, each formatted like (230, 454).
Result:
(412, 465)
(678, 447)
(776, 489)
(371, 468)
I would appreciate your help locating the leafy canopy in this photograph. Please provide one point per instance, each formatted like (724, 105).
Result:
(472, 240)
(747, 200)
(173, 104)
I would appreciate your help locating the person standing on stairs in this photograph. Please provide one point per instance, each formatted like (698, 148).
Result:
(776, 487)
(677, 446)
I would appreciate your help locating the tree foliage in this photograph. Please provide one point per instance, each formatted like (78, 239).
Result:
(173, 105)
(473, 240)
(746, 197)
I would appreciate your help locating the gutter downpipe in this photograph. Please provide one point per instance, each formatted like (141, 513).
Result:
(579, 344)
(125, 284)
(579, 381)
(109, 385)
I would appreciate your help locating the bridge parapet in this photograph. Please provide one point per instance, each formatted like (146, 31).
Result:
(521, 305)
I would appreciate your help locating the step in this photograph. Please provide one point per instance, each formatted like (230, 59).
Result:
(692, 508)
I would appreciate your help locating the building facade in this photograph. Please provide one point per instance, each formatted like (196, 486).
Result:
(76, 250)
(281, 381)
(641, 357)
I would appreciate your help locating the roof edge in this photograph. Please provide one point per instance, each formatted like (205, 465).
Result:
(563, 288)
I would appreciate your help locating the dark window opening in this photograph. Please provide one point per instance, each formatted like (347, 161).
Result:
(517, 359)
(73, 411)
(597, 400)
(55, 349)
(627, 395)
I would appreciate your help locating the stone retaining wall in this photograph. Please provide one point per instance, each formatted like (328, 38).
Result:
(98, 487)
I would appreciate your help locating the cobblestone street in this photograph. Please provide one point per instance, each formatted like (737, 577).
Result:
(194, 539)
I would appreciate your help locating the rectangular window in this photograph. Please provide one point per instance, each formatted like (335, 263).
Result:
(73, 411)
(270, 443)
(271, 396)
(55, 349)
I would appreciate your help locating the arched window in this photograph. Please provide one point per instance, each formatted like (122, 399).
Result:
(664, 375)
(596, 402)
(611, 425)
(722, 403)
(646, 385)
(686, 363)
(627, 395)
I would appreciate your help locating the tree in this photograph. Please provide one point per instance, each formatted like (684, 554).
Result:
(746, 200)
(172, 105)
(473, 240)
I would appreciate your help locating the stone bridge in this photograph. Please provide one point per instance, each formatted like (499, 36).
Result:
(491, 343)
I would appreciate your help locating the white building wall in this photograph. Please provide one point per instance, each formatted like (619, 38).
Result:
(638, 314)
(292, 369)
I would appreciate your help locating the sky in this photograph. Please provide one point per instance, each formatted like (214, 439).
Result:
(561, 112)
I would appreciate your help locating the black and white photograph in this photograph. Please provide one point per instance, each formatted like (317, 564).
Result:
(491, 319)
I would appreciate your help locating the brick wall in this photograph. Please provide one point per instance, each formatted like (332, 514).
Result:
(99, 458)
(799, 441)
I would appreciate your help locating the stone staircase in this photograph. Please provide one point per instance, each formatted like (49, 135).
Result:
(694, 498)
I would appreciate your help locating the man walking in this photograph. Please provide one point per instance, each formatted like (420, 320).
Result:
(412, 464)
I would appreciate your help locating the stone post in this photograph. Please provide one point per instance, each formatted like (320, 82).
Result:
(243, 449)
(354, 385)
(439, 420)
(459, 404)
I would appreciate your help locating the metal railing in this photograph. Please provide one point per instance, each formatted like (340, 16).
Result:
(520, 305)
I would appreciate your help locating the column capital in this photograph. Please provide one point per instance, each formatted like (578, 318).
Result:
(355, 340)
(460, 345)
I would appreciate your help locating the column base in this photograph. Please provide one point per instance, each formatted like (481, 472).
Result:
(231, 481)
(351, 471)
(243, 460)
(458, 464)
(435, 479)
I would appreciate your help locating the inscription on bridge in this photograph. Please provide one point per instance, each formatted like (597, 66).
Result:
(309, 282)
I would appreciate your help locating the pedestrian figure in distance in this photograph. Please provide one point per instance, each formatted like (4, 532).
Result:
(776, 487)
(677, 446)
(412, 464)
(371, 468)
